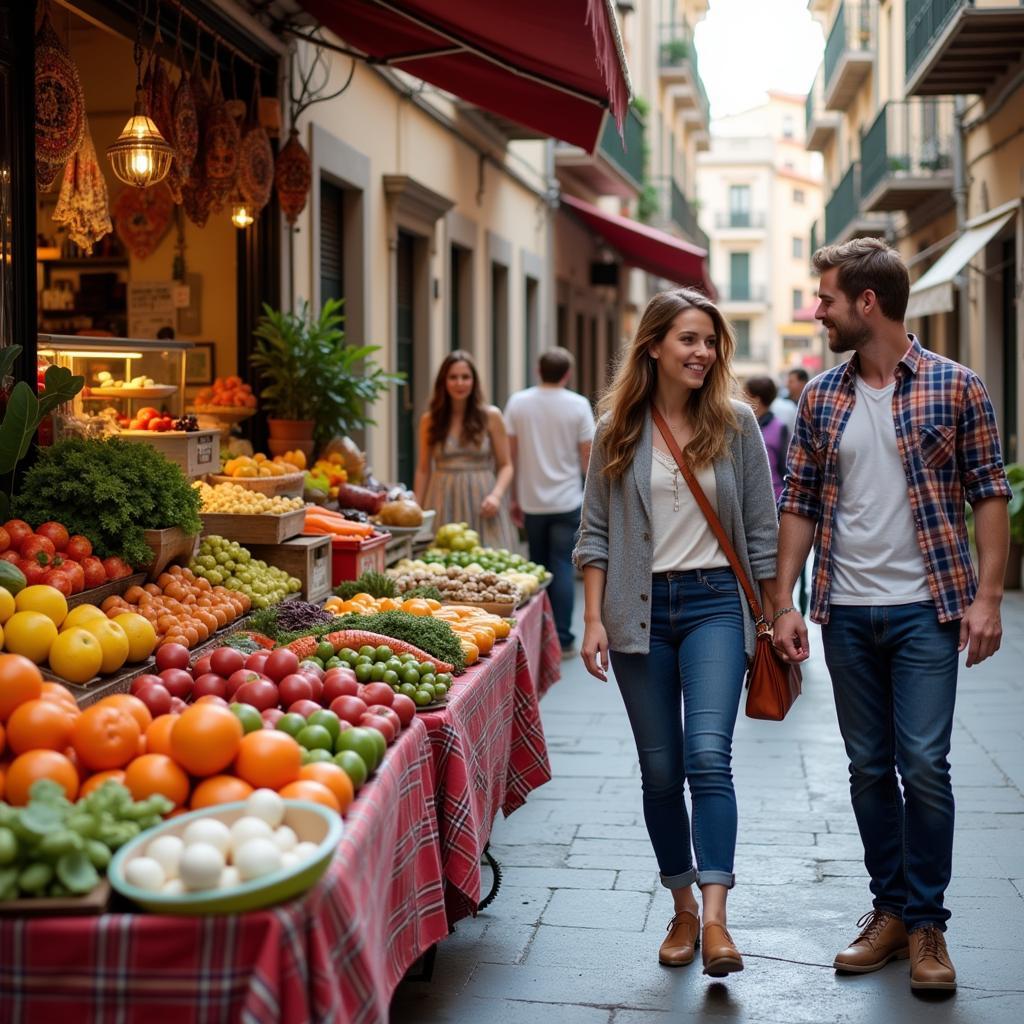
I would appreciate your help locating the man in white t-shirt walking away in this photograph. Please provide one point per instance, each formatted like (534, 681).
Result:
(550, 429)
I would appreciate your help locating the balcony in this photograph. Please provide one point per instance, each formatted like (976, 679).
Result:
(680, 73)
(844, 218)
(677, 212)
(741, 220)
(821, 124)
(612, 169)
(907, 155)
(958, 47)
(745, 293)
(849, 53)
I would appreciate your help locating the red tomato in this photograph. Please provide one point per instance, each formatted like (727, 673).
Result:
(10, 555)
(75, 573)
(17, 530)
(35, 545)
(5, 539)
(59, 580)
(116, 568)
(34, 572)
(56, 533)
(77, 547)
(95, 574)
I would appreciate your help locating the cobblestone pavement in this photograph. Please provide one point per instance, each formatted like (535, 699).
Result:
(572, 937)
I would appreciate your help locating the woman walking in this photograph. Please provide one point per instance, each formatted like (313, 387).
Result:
(661, 599)
(465, 464)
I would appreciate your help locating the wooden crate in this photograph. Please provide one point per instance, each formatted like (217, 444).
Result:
(94, 902)
(307, 558)
(197, 453)
(257, 528)
(167, 545)
(290, 484)
(97, 595)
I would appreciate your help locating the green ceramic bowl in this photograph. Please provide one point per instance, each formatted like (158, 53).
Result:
(311, 822)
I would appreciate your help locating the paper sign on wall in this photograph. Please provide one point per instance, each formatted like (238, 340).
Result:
(152, 306)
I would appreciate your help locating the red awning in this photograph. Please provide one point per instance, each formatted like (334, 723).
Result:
(652, 250)
(554, 65)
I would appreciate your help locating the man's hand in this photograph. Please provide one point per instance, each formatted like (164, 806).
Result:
(789, 637)
(981, 628)
(595, 650)
(518, 518)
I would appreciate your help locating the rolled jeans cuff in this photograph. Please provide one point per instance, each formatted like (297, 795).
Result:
(726, 878)
(680, 881)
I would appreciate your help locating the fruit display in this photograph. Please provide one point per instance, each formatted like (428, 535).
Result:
(52, 847)
(492, 559)
(327, 474)
(259, 465)
(231, 498)
(456, 537)
(404, 512)
(296, 459)
(106, 381)
(182, 607)
(222, 561)
(228, 393)
(456, 584)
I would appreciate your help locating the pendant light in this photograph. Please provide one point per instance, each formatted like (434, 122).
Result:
(241, 214)
(140, 155)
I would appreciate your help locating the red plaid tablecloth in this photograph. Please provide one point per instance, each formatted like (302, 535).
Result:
(489, 753)
(535, 624)
(334, 955)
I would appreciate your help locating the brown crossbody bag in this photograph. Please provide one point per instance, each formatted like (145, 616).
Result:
(772, 684)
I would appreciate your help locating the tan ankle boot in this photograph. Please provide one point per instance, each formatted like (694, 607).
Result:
(930, 966)
(683, 938)
(719, 951)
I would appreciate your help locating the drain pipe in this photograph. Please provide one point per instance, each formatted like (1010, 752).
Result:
(962, 281)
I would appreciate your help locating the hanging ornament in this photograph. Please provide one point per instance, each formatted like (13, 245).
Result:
(293, 175)
(195, 192)
(220, 142)
(255, 160)
(60, 106)
(142, 217)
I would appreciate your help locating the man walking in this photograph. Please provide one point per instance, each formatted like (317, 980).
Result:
(887, 448)
(550, 429)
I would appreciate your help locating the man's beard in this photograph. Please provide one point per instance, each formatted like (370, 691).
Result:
(849, 337)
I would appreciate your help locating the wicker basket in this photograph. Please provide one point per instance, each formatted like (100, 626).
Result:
(290, 484)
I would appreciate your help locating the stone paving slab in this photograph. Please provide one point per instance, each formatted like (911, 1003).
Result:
(572, 937)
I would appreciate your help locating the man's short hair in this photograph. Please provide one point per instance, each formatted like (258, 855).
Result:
(800, 373)
(554, 364)
(869, 263)
(763, 388)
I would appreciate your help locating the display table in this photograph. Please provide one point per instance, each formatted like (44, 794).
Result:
(488, 747)
(336, 954)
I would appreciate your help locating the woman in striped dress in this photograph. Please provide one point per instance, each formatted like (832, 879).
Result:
(465, 467)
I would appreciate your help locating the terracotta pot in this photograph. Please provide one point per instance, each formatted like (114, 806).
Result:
(280, 445)
(291, 430)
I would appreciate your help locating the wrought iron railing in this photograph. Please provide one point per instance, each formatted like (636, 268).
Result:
(851, 31)
(740, 219)
(844, 203)
(925, 19)
(629, 158)
(909, 138)
(675, 48)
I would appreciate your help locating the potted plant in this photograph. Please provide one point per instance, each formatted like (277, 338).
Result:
(315, 386)
(1015, 474)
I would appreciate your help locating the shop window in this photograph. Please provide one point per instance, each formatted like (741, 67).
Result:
(741, 328)
(332, 241)
(798, 196)
(798, 299)
(739, 275)
(739, 206)
(499, 334)
(531, 327)
(798, 248)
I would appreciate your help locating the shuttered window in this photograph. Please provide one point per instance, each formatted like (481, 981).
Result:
(332, 255)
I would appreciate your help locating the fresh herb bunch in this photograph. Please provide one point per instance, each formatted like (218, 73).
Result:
(317, 631)
(427, 593)
(427, 633)
(111, 491)
(376, 584)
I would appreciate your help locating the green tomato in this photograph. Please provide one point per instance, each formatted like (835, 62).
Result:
(440, 691)
(247, 715)
(292, 723)
(390, 677)
(353, 766)
(410, 674)
(426, 668)
(366, 651)
(377, 670)
(328, 719)
(315, 737)
(334, 662)
(444, 678)
(408, 689)
(324, 650)
(317, 754)
(383, 653)
(422, 698)
(428, 679)
(363, 671)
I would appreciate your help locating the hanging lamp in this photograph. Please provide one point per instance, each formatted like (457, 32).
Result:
(241, 214)
(140, 155)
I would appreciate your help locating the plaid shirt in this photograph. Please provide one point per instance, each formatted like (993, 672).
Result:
(949, 445)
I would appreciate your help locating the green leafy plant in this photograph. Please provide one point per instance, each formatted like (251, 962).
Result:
(310, 373)
(111, 491)
(1015, 474)
(674, 52)
(25, 411)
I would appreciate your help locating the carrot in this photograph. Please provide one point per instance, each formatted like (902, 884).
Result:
(304, 647)
(356, 638)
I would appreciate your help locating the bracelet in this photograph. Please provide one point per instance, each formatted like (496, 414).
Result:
(782, 611)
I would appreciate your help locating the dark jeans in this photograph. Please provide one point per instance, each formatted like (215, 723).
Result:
(696, 657)
(551, 539)
(894, 677)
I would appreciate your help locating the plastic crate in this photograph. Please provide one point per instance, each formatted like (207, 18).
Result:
(351, 558)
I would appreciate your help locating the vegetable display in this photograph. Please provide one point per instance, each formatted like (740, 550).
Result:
(224, 562)
(238, 500)
(459, 585)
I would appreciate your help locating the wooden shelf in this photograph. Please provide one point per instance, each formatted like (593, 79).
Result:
(89, 261)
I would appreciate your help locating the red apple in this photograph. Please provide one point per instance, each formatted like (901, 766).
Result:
(156, 697)
(377, 693)
(202, 667)
(210, 682)
(281, 663)
(303, 707)
(172, 656)
(404, 707)
(271, 716)
(386, 712)
(257, 660)
(144, 680)
(177, 680)
(349, 708)
(261, 693)
(381, 724)
(226, 660)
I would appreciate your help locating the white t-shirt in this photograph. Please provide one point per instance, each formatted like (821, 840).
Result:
(549, 423)
(875, 554)
(785, 409)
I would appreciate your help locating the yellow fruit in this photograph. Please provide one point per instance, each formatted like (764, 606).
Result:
(30, 634)
(41, 598)
(259, 457)
(76, 655)
(81, 614)
(246, 471)
(140, 633)
(114, 642)
(7, 607)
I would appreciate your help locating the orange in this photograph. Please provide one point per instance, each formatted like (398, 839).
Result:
(134, 707)
(157, 773)
(60, 693)
(334, 778)
(205, 739)
(3, 739)
(219, 789)
(94, 782)
(20, 681)
(39, 725)
(158, 735)
(268, 758)
(105, 737)
(308, 789)
(35, 765)
(416, 606)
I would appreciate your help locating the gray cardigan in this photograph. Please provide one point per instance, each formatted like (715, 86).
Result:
(615, 528)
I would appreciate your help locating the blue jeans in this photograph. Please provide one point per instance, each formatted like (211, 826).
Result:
(551, 538)
(696, 657)
(893, 672)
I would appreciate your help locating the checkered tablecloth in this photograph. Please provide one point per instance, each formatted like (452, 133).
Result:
(489, 751)
(334, 955)
(536, 626)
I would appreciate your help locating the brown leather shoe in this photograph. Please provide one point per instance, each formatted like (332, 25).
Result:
(683, 938)
(883, 938)
(930, 966)
(719, 951)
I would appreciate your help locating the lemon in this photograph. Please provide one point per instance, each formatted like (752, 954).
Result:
(7, 606)
(41, 598)
(31, 634)
(113, 640)
(140, 632)
(80, 615)
(76, 655)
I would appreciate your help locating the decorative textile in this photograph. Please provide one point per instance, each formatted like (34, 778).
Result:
(256, 168)
(142, 217)
(293, 176)
(83, 204)
(535, 623)
(220, 148)
(195, 193)
(60, 106)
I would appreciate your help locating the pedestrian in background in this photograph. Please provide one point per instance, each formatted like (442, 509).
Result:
(887, 448)
(796, 381)
(662, 601)
(761, 393)
(464, 467)
(783, 407)
(550, 429)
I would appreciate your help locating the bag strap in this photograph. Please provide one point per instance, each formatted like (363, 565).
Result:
(713, 520)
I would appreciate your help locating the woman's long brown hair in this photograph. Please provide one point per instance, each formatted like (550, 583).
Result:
(474, 420)
(628, 398)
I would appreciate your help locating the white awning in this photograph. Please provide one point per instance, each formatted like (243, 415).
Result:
(933, 292)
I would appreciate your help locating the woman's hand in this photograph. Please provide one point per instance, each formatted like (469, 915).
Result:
(789, 637)
(595, 650)
(489, 506)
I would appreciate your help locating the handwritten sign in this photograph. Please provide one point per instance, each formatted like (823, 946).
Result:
(152, 305)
